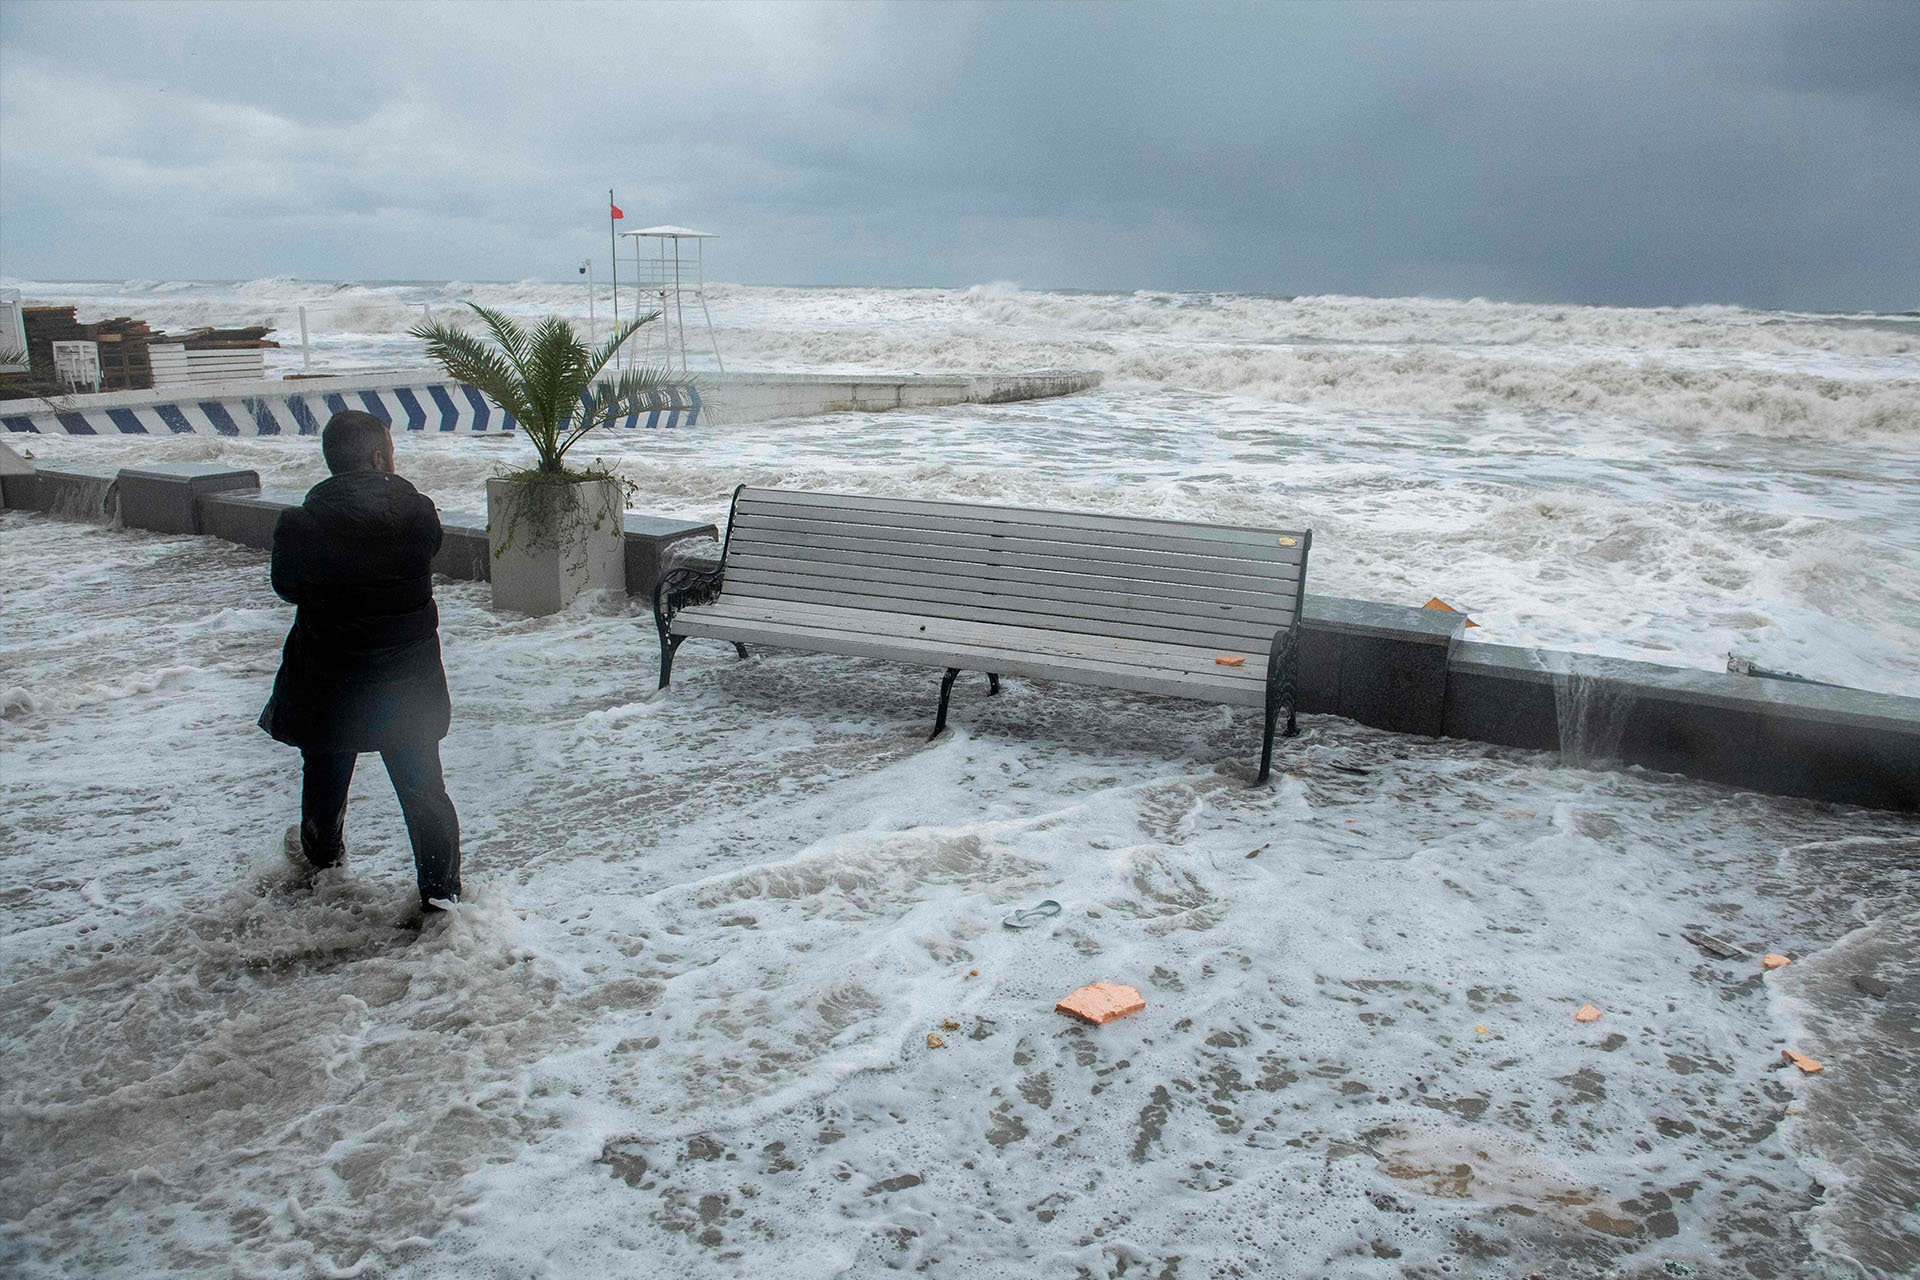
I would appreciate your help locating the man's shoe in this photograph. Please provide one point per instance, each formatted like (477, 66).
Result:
(295, 852)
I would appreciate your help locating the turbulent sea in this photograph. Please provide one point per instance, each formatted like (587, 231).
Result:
(682, 1021)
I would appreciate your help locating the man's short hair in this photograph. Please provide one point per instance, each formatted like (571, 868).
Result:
(351, 439)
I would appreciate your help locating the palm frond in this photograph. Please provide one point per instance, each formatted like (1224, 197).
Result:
(511, 337)
(467, 359)
(633, 391)
(555, 359)
(599, 358)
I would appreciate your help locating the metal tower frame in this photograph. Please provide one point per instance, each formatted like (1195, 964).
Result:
(664, 281)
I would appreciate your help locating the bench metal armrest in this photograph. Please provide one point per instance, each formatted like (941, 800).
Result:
(688, 585)
(681, 587)
(677, 589)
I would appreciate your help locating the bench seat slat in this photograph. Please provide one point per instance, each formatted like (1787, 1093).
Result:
(990, 637)
(1045, 584)
(1145, 539)
(1033, 662)
(1202, 617)
(914, 509)
(939, 543)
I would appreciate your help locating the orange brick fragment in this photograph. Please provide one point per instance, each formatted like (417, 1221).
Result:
(1801, 1061)
(1587, 1013)
(1773, 960)
(1230, 662)
(1101, 1002)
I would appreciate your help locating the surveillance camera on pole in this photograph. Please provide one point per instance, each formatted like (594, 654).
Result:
(593, 326)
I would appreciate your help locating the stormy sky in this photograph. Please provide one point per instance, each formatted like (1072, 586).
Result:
(1765, 154)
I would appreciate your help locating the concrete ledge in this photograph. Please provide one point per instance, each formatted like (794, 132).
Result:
(755, 397)
(245, 518)
(1500, 694)
(249, 518)
(463, 547)
(1381, 664)
(11, 465)
(165, 497)
(650, 548)
(1848, 746)
(70, 493)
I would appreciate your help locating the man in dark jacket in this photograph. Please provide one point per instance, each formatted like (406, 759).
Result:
(361, 668)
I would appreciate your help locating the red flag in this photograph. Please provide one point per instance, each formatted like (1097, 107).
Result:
(616, 209)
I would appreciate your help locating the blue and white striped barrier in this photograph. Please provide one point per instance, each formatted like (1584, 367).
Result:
(425, 406)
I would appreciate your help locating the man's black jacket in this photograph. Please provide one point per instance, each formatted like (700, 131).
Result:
(361, 668)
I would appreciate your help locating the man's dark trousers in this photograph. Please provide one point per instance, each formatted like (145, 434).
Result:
(432, 824)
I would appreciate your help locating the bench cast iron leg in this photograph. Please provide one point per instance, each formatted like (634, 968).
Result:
(740, 649)
(946, 692)
(1266, 749)
(993, 684)
(1282, 664)
(669, 645)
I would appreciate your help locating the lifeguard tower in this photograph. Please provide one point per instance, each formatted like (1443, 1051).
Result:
(669, 271)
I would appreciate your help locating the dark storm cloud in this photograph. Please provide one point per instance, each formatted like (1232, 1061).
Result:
(1613, 153)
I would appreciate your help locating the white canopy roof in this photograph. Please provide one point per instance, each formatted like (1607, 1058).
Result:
(676, 233)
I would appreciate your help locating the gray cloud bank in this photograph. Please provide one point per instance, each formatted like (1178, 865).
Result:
(1641, 154)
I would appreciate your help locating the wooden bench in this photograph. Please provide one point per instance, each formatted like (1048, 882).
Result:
(1209, 612)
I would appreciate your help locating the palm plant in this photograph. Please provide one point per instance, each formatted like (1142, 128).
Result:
(548, 378)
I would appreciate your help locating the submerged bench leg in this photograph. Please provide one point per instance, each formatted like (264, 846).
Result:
(993, 684)
(1266, 749)
(669, 645)
(1282, 663)
(740, 649)
(946, 692)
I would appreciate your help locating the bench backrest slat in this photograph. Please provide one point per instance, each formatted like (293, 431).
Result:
(1041, 576)
(1157, 580)
(842, 504)
(1147, 537)
(1011, 549)
(1114, 612)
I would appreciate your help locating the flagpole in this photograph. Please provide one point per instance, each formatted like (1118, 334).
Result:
(613, 245)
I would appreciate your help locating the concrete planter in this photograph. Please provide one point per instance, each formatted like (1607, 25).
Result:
(548, 542)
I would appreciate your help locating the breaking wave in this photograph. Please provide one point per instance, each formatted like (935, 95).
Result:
(1675, 369)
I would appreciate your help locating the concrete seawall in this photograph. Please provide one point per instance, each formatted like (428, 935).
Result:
(1390, 666)
(427, 401)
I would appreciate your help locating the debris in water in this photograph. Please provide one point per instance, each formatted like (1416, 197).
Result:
(935, 1040)
(948, 1024)
(1101, 1002)
(1444, 607)
(1867, 984)
(1801, 1061)
(1027, 917)
(1713, 946)
(1774, 960)
(1234, 661)
(1587, 1013)
(1256, 853)
(1480, 1030)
